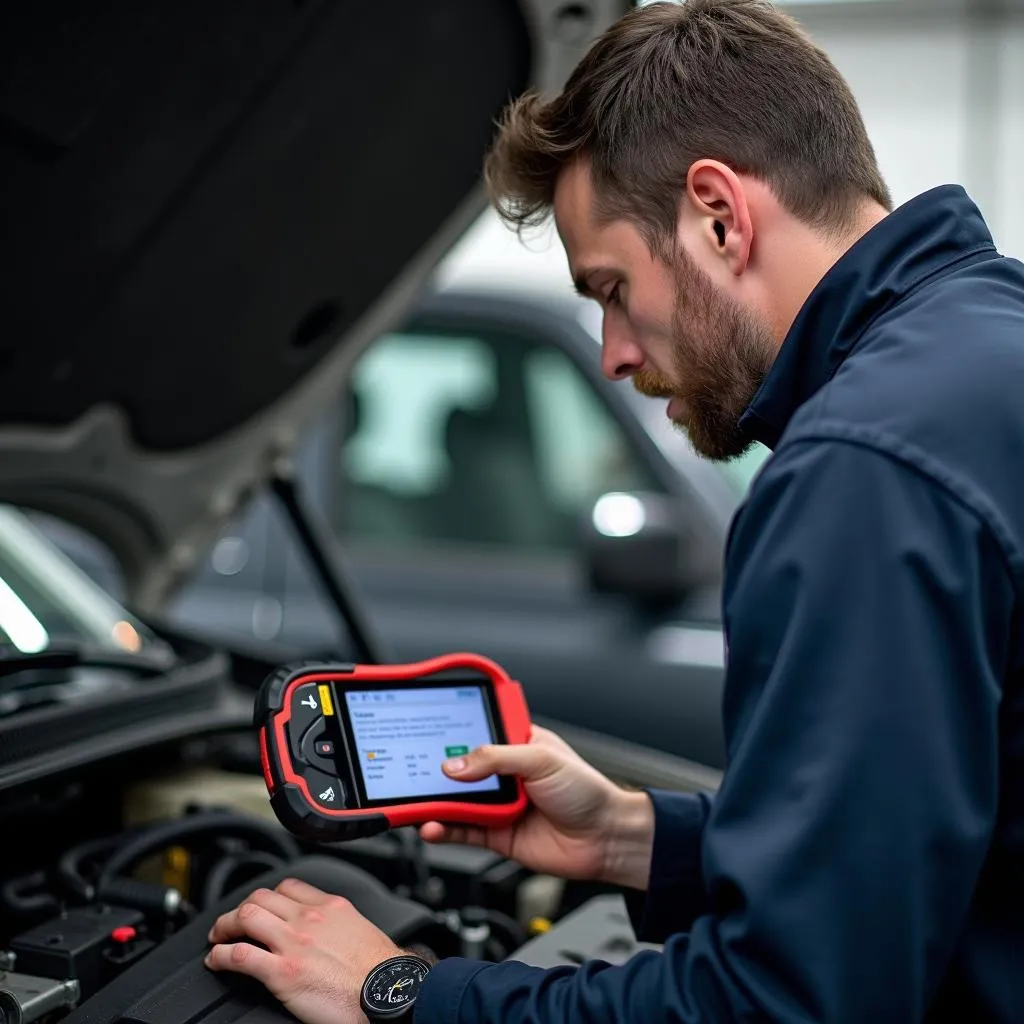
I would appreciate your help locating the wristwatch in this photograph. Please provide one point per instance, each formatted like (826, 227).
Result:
(390, 989)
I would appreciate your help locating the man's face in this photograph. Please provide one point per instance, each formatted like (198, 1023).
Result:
(666, 323)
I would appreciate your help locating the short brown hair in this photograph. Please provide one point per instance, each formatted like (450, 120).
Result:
(671, 83)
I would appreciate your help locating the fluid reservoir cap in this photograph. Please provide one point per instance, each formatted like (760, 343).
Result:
(124, 934)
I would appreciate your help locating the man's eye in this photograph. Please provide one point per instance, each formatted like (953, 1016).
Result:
(614, 295)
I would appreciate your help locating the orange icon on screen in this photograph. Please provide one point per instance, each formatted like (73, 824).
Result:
(371, 754)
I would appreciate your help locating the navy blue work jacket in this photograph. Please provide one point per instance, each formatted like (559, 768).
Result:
(863, 860)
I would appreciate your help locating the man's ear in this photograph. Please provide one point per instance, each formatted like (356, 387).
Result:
(716, 202)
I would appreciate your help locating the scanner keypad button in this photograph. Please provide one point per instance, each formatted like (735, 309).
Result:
(306, 710)
(317, 750)
(326, 791)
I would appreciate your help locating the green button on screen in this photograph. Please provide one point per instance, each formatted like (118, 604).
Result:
(455, 751)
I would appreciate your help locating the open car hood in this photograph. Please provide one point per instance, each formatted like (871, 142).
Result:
(208, 210)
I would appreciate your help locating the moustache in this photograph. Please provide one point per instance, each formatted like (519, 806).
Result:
(653, 385)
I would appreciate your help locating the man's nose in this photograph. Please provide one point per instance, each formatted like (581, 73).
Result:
(620, 355)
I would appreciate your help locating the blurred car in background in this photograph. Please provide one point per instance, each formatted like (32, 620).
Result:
(492, 491)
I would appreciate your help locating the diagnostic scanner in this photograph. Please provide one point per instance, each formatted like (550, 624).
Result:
(353, 750)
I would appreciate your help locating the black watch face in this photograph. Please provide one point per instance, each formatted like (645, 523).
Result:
(391, 988)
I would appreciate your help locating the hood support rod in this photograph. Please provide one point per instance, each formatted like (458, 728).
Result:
(322, 550)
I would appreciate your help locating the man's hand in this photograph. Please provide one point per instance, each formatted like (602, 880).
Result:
(580, 824)
(319, 949)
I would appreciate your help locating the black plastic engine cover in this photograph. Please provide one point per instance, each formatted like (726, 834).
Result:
(172, 985)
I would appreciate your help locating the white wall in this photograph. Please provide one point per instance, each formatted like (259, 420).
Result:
(943, 99)
(1009, 202)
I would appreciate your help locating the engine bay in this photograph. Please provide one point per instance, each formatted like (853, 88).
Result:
(112, 876)
(134, 813)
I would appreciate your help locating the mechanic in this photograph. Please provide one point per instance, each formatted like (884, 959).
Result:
(716, 192)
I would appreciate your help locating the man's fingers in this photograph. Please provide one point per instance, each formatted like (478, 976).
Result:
(303, 892)
(435, 832)
(276, 902)
(546, 738)
(251, 921)
(530, 761)
(499, 840)
(538, 734)
(242, 958)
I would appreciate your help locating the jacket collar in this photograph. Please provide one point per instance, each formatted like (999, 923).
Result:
(919, 240)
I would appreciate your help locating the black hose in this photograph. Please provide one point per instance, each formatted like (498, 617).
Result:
(218, 823)
(148, 897)
(12, 894)
(414, 848)
(69, 866)
(216, 885)
(217, 879)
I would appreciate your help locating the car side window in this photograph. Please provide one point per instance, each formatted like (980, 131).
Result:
(581, 450)
(476, 438)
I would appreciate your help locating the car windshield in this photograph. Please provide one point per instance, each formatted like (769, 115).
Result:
(46, 601)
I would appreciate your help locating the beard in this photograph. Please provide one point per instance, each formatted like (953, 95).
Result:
(721, 355)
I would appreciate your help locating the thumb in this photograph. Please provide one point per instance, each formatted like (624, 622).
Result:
(530, 761)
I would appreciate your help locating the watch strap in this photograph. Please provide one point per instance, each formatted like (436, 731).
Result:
(425, 953)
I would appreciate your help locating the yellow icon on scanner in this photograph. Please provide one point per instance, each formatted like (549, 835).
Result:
(325, 700)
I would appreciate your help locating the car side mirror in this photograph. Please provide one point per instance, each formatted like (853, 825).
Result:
(640, 545)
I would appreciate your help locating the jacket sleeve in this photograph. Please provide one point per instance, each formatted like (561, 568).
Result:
(676, 895)
(868, 614)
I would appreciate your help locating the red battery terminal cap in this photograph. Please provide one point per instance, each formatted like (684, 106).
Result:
(124, 934)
